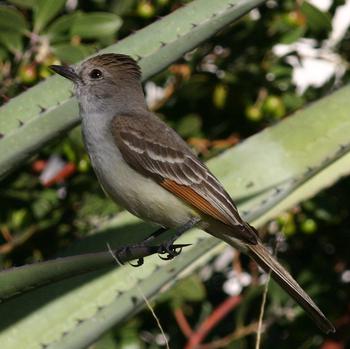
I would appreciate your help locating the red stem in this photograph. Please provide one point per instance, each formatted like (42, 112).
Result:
(210, 322)
(183, 323)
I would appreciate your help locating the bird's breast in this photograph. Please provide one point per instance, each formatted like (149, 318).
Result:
(139, 194)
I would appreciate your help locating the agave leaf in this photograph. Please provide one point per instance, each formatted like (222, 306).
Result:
(19, 280)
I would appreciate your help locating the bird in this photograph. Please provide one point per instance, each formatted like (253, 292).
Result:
(146, 167)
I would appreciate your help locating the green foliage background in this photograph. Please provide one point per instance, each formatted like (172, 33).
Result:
(229, 88)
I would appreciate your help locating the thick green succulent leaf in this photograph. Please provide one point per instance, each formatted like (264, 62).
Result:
(324, 157)
(95, 24)
(19, 280)
(267, 173)
(155, 46)
(12, 20)
(45, 11)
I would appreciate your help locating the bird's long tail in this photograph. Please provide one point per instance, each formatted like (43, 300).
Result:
(266, 261)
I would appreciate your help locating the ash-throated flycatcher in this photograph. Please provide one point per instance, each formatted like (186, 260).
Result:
(146, 167)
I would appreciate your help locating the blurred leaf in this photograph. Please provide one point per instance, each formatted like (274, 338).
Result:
(129, 337)
(107, 341)
(95, 205)
(45, 202)
(190, 289)
(11, 40)
(24, 3)
(3, 56)
(19, 218)
(106, 40)
(61, 26)
(292, 35)
(96, 24)
(280, 70)
(69, 54)
(120, 7)
(44, 11)
(245, 309)
(293, 101)
(190, 126)
(277, 295)
(316, 20)
(12, 20)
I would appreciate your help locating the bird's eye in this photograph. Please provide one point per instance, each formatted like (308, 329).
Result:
(95, 74)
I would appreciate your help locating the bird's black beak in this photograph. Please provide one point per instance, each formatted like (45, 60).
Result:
(65, 71)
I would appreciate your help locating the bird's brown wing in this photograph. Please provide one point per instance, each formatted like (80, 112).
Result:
(152, 148)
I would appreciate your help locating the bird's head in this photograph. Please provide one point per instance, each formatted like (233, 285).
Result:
(104, 81)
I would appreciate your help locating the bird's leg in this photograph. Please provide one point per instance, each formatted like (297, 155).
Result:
(154, 235)
(168, 246)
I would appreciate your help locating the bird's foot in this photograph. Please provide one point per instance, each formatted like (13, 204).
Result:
(169, 251)
(137, 251)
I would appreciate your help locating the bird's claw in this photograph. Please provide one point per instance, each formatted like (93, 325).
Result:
(138, 263)
(168, 250)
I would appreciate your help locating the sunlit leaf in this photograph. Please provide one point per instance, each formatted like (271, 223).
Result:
(293, 35)
(61, 26)
(68, 53)
(12, 20)
(24, 3)
(95, 24)
(11, 40)
(45, 11)
(316, 19)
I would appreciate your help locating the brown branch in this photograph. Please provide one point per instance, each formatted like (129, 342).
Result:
(225, 341)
